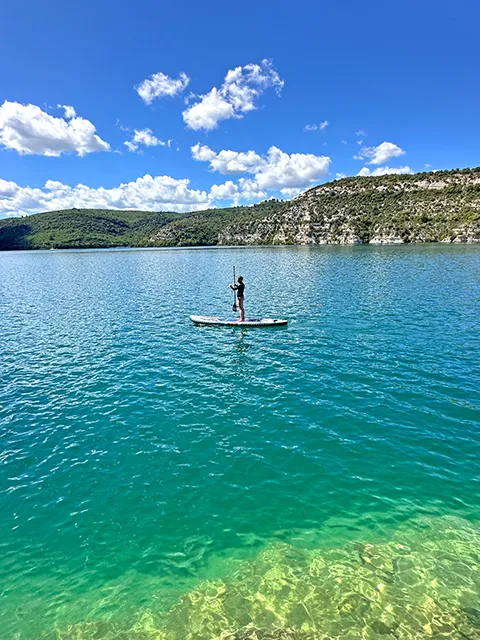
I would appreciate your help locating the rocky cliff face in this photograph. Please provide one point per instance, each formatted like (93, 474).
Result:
(429, 207)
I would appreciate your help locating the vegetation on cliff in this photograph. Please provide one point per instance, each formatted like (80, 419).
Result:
(424, 207)
(85, 228)
(79, 228)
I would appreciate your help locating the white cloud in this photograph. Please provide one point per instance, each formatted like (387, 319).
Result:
(160, 193)
(159, 85)
(339, 176)
(145, 137)
(360, 133)
(226, 161)
(383, 171)
(237, 95)
(208, 113)
(364, 171)
(344, 142)
(249, 189)
(317, 127)
(7, 189)
(276, 170)
(427, 165)
(291, 193)
(296, 170)
(384, 152)
(69, 111)
(30, 131)
(202, 152)
(226, 191)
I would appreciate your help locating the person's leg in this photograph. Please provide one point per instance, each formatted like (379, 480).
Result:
(242, 310)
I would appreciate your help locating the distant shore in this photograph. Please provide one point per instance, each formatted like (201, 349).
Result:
(442, 206)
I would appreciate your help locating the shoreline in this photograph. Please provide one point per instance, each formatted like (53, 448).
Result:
(312, 245)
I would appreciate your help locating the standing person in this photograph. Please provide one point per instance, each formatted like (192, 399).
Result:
(239, 287)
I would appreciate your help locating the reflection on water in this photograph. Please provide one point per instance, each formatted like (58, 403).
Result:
(422, 583)
(239, 354)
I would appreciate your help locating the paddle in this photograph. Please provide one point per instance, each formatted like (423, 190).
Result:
(234, 307)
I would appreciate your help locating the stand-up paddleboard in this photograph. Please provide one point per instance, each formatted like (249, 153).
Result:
(234, 322)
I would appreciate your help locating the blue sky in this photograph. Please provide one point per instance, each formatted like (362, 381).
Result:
(232, 86)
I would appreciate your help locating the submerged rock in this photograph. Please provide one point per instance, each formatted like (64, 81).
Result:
(423, 583)
(265, 634)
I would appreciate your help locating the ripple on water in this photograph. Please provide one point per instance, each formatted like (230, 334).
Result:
(150, 469)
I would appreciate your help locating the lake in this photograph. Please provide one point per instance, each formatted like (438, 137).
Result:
(164, 481)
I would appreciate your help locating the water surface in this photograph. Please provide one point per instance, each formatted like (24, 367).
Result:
(161, 480)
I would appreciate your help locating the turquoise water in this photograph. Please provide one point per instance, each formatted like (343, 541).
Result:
(164, 481)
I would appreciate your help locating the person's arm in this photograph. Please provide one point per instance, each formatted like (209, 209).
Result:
(234, 287)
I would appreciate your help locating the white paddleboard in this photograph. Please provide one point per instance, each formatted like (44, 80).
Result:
(234, 322)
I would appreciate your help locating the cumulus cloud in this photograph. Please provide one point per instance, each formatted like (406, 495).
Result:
(296, 170)
(158, 193)
(237, 95)
(207, 113)
(226, 191)
(291, 192)
(160, 85)
(317, 127)
(28, 130)
(145, 137)
(340, 176)
(276, 170)
(227, 161)
(360, 133)
(203, 153)
(7, 189)
(383, 153)
(383, 171)
(69, 111)
(249, 189)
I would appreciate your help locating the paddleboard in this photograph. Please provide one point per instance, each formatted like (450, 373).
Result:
(234, 322)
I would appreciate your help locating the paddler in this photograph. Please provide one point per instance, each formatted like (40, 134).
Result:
(239, 287)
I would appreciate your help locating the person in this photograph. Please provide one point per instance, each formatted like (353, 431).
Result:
(239, 287)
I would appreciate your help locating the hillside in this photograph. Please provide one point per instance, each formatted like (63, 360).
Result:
(441, 206)
(81, 228)
(84, 228)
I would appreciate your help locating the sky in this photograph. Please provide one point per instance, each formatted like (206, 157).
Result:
(182, 106)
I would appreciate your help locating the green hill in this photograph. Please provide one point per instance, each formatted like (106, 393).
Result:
(79, 228)
(424, 207)
(84, 228)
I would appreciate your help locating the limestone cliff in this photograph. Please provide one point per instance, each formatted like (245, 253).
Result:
(429, 207)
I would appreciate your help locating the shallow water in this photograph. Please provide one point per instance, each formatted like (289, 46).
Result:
(161, 480)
